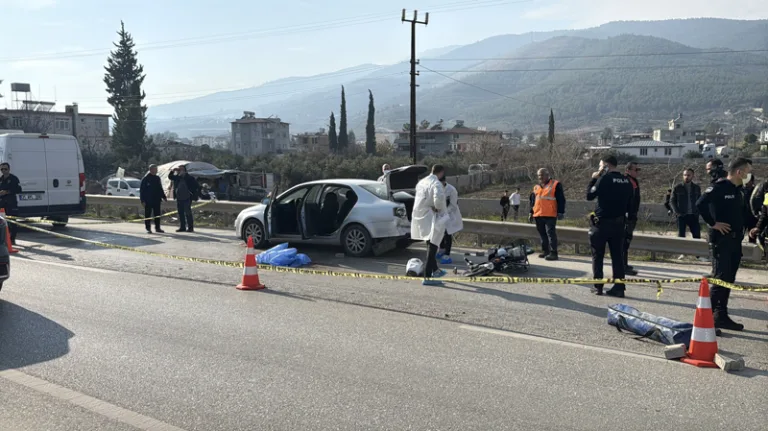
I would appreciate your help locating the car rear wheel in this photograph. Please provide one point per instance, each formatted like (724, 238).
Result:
(356, 241)
(255, 229)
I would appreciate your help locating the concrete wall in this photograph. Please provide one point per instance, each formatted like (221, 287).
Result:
(573, 209)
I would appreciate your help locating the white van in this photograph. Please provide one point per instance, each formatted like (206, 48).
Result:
(51, 173)
(123, 187)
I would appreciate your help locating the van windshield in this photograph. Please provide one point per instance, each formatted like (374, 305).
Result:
(134, 184)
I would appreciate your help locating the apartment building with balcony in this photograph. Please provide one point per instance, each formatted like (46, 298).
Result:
(253, 136)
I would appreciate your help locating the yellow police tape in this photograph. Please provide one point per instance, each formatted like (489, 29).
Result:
(486, 279)
(40, 220)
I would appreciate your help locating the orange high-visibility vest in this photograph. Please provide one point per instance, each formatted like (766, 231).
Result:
(545, 204)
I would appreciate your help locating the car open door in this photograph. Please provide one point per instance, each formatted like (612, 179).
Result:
(310, 212)
(269, 214)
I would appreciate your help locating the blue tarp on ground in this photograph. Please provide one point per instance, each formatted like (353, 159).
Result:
(281, 255)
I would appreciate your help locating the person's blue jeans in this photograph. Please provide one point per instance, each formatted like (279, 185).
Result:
(185, 214)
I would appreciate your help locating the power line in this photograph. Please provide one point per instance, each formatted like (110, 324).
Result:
(561, 57)
(275, 31)
(687, 66)
(484, 89)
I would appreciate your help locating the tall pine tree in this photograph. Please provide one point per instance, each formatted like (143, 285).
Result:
(370, 126)
(343, 137)
(551, 134)
(124, 77)
(333, 139)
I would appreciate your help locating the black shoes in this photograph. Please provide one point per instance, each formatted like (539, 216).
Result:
(723, 321)
(181, 230)
(543, 254)
(159, 231)
(630, 271)
(615, 292)
(552, 256)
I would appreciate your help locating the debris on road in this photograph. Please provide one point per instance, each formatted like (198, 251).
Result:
(729, 363)
(675, 351)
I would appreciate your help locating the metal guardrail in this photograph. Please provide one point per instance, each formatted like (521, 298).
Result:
(566, 235)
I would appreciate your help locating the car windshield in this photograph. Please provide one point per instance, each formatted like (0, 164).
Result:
(378, 190)
(134, 184)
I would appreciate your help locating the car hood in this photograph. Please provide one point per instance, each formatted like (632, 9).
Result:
(405, 178)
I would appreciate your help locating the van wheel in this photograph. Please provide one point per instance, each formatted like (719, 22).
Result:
(109, 194)
(356, 241)
(59, 222)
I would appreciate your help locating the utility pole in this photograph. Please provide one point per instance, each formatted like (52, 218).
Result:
(414, 127)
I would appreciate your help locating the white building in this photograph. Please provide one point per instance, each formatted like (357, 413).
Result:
(656, 149)
(764, 136)
(199, 141)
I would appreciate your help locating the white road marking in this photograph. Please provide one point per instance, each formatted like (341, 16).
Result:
(561, 343)
(103, 408)
(65, 265)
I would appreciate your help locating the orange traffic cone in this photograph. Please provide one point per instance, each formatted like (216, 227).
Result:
(703, 347)
(251, 270)
(8, 242)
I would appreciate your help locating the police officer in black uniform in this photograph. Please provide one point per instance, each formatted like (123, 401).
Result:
(721, 207)
(613, 192)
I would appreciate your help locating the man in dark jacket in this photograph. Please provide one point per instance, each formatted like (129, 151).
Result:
(9, 188)
(750, 219)
(683, 203)
(152, 195)
(632, 171)
(185, 190)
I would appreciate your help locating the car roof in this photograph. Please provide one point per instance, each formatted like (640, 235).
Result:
(342, 181)
(126, 178)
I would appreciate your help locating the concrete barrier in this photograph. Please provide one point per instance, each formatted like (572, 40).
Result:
(573, 209)
(566, 235)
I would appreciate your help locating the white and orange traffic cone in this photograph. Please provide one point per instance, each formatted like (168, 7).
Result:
(8, 242)
(703, 347)
(251, 270)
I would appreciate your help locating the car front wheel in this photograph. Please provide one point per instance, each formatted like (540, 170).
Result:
(356, 241)
(255, 229)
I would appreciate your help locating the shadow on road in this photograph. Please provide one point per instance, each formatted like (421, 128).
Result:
(87, 234)
(555, 300)
(28, 338)
(38, 250)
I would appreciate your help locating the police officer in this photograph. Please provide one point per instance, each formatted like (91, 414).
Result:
(632, 172)
(613, 192)
(721, 207)
(716, 170)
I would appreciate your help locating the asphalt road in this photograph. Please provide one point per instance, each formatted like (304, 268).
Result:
(88, 348)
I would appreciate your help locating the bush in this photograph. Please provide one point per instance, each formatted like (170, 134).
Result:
(693, 154)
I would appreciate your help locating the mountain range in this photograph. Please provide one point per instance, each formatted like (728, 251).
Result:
(626, 73)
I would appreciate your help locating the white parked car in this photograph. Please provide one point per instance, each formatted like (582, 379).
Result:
(360, 215)
(123, 187)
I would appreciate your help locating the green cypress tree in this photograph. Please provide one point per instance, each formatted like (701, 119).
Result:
(333, 139)
(343, 136)
(370, 126)
(124, 77)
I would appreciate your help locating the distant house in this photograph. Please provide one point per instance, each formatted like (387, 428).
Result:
(764, 136)
(656, 149)
(312, 142)
(456, 139)
(675, 132)
(253, 136)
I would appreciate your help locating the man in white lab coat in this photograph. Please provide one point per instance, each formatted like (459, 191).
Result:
(429, 219)
(454, 224)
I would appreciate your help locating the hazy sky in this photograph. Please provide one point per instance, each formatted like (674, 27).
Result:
(193, 47)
